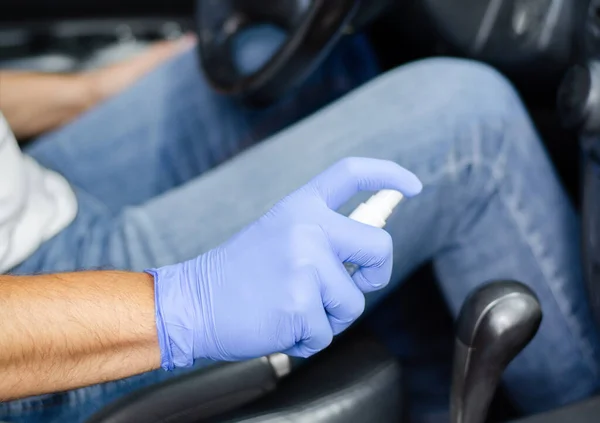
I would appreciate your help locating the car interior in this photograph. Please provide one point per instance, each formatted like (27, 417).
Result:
(550, 49)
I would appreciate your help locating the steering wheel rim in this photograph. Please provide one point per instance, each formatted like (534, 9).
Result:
(313, 28)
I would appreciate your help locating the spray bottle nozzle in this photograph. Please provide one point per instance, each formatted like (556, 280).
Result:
(377, 209)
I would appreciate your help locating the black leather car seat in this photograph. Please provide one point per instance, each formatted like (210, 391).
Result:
(355, 381)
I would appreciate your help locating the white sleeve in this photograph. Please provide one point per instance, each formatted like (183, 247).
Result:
(35, 203)
(12, 186)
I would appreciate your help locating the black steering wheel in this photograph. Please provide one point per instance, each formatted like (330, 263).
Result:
(312, 28)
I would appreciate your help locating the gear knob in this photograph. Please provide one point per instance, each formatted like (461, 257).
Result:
(495, 323)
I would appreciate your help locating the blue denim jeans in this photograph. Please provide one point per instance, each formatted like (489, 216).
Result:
(161, 177)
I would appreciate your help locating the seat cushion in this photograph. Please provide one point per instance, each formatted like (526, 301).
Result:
(355, 381)
(585, 412)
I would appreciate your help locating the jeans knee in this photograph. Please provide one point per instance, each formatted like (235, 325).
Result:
(466, 85)
(474, 106)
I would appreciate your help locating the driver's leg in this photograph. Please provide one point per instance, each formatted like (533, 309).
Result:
(492, 208)
(170, 126)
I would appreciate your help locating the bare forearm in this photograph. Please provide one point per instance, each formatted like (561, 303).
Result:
(35, 103)
(65, 331)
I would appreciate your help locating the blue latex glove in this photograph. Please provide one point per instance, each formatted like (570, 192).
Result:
(280, 285)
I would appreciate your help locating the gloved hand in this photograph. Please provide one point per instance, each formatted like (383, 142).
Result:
(280, 285)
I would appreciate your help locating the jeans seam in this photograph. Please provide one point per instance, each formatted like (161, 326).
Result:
(497, 170)
(585, 349)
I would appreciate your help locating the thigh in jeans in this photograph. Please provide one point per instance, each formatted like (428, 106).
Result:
(491, 208)
(171, 126)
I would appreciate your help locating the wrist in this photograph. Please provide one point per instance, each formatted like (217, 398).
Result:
(176, 320)
(166, 357)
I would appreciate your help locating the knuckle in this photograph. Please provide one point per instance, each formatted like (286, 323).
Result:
(300, 300)
(305, 242)
(300, 263)
(307, 272)
(357, 307)
(326, 338)
(305, 231)
(297, 308)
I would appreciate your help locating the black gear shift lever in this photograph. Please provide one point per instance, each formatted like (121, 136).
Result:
(495, 323)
